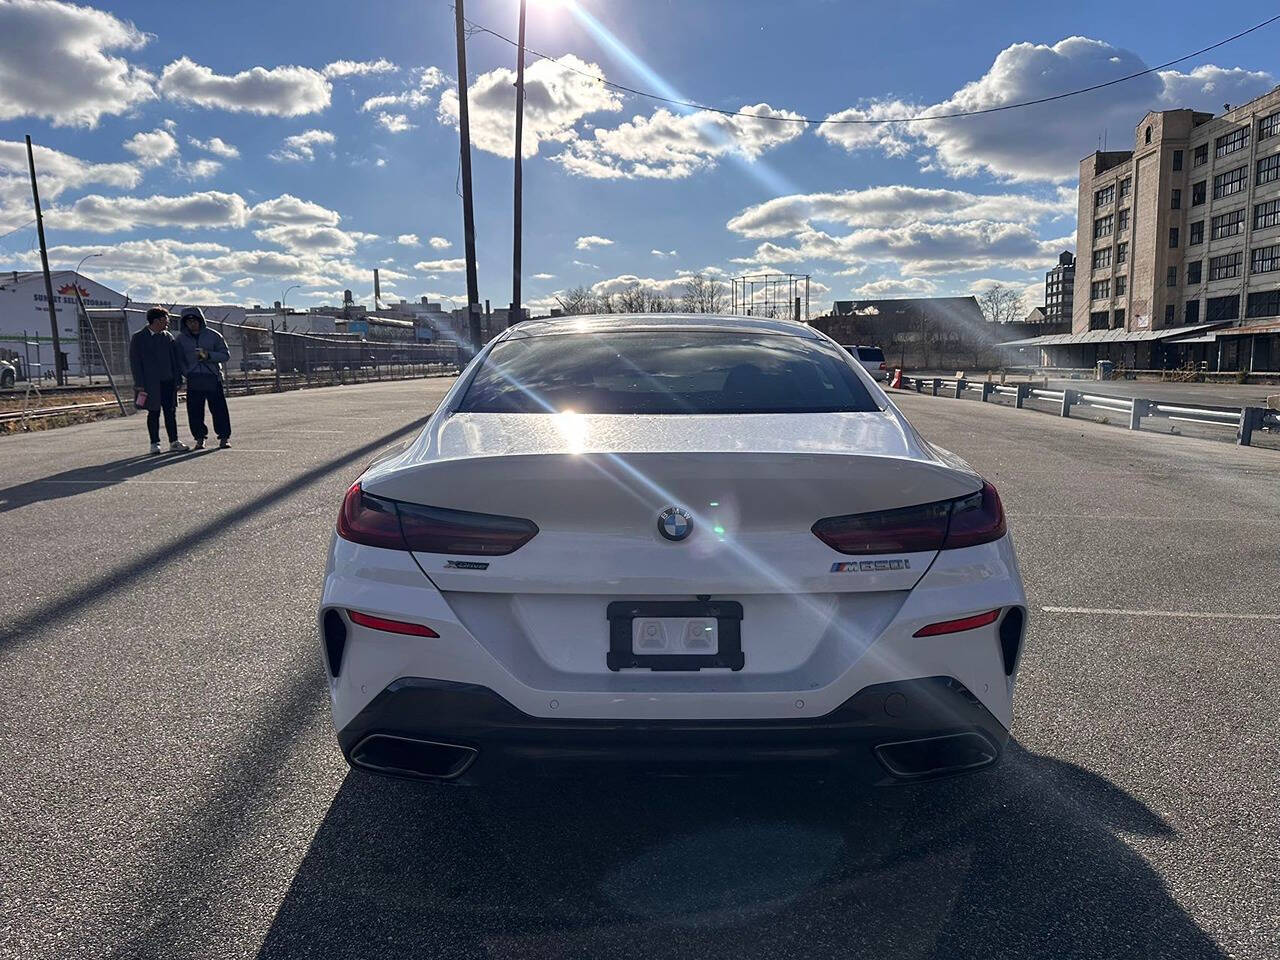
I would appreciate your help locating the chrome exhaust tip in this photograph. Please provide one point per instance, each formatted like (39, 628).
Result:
(398, 756)
(937, 756)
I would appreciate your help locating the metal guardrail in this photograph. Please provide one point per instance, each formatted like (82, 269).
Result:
(1245, 420)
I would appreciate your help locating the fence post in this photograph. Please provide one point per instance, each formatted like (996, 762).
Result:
(919, 384)
(937, 385)
(1250, 420)
(1140, 409)
(959, 387)
(1021, 397)
(1068, 398)
(986, 390)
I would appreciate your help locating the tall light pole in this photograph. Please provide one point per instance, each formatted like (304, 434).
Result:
(468, 209)
(44, 263)
(283, 310)
(514, 315)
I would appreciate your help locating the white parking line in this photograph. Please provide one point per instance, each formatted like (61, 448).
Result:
(112, 482)
(1135, 518)
(1175, 614)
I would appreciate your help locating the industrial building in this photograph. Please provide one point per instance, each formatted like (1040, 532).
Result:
(1178, 245)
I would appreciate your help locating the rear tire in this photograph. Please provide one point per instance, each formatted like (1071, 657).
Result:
(7, 379)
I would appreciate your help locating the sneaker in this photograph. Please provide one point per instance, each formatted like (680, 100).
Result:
(200, 444)
(224, 443)
(155, 448)
(178, 446)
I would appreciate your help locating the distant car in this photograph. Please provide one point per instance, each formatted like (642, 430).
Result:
(8, 374)
(674, 541)
(258, 361)
(871, 358)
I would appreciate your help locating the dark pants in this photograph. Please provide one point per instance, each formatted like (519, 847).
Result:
(168, 404)
(217, 401)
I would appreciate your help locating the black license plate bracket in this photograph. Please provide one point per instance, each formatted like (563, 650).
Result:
(726, 613)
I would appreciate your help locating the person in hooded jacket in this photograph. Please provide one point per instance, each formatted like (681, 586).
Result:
(203, 354)
(156, 364)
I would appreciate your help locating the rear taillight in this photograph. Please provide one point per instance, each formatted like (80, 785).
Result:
(944, 525)
(390, 626)
(379, 522)
(959, 626)
(884, 366)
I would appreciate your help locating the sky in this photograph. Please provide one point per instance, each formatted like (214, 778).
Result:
(222, 153)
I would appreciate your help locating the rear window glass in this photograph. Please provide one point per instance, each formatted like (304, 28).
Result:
(874, 354)
(667, 372)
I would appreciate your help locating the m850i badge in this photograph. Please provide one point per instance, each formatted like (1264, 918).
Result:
(870, 566)
(465, 565)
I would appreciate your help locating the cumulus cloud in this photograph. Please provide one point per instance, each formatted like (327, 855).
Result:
(888, 287)
(58, 173)
(359, 68)
(152, 149)
(663, 253)
(408, 240)
(670, 146)
(544, 276)
(194, 211)
(395, 122)
(1014, 144)
(279, 91)
(54, 63)
(586, 243)
(201, 169)
(555, 100)
(215, 145)
(417, 95)
(439, 243)
(314, 239)
(441, 266)
(287, 208)
(301, 147)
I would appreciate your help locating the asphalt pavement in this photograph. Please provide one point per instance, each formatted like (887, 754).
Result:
(173, 789)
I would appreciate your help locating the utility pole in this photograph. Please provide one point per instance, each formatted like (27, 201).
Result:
(468, 211)
(514, 315)
(44, 263)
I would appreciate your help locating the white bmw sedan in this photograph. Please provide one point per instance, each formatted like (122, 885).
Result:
(671, 543)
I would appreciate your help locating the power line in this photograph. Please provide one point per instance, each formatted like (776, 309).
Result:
(692, 104)
(16, 229)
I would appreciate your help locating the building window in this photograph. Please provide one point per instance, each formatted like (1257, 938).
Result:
(1225, 267)
(1169, 314)
(1233, 181)
(1227, 225)
(1222, 308)
(1177, 160)
(1101, 289)
(1119, 318)
(1197, 234)
(1269, 126)
(1191, 313)
(1201, 155)
(1104, 196)
(1265, 259)
(1122, 221)
(1148, 134)
(1193, 273)
(1121, 283)
(1098, 321)
(1102, 258)
(1171, 277)
(1266, 214)
(1176, 202)
(1268, 169)
(1125, 186)
(1231, 142)
(1173, 237)
(1102, 227)
(1264, 304)
(1122, 252)
(1197, 193)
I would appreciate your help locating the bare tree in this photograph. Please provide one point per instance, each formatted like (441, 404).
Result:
(703, 294)
(1000, 304)
(578, 300)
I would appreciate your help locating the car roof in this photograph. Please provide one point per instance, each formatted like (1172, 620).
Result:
(631, 322)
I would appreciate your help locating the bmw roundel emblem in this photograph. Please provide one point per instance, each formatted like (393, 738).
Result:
(675, 523)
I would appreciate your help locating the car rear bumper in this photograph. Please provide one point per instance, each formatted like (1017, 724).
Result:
(891, 732)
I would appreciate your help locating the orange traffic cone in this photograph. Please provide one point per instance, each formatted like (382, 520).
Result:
(897, 378)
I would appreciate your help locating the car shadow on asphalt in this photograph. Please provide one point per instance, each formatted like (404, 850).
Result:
(1022, 861)
(69, 483)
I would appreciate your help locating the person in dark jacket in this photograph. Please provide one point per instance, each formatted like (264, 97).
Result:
(157, 371)
(203, 354)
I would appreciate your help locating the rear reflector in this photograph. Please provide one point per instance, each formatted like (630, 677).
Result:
(957, 626)
(390, 626)
(944, 525)
(394, 525)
